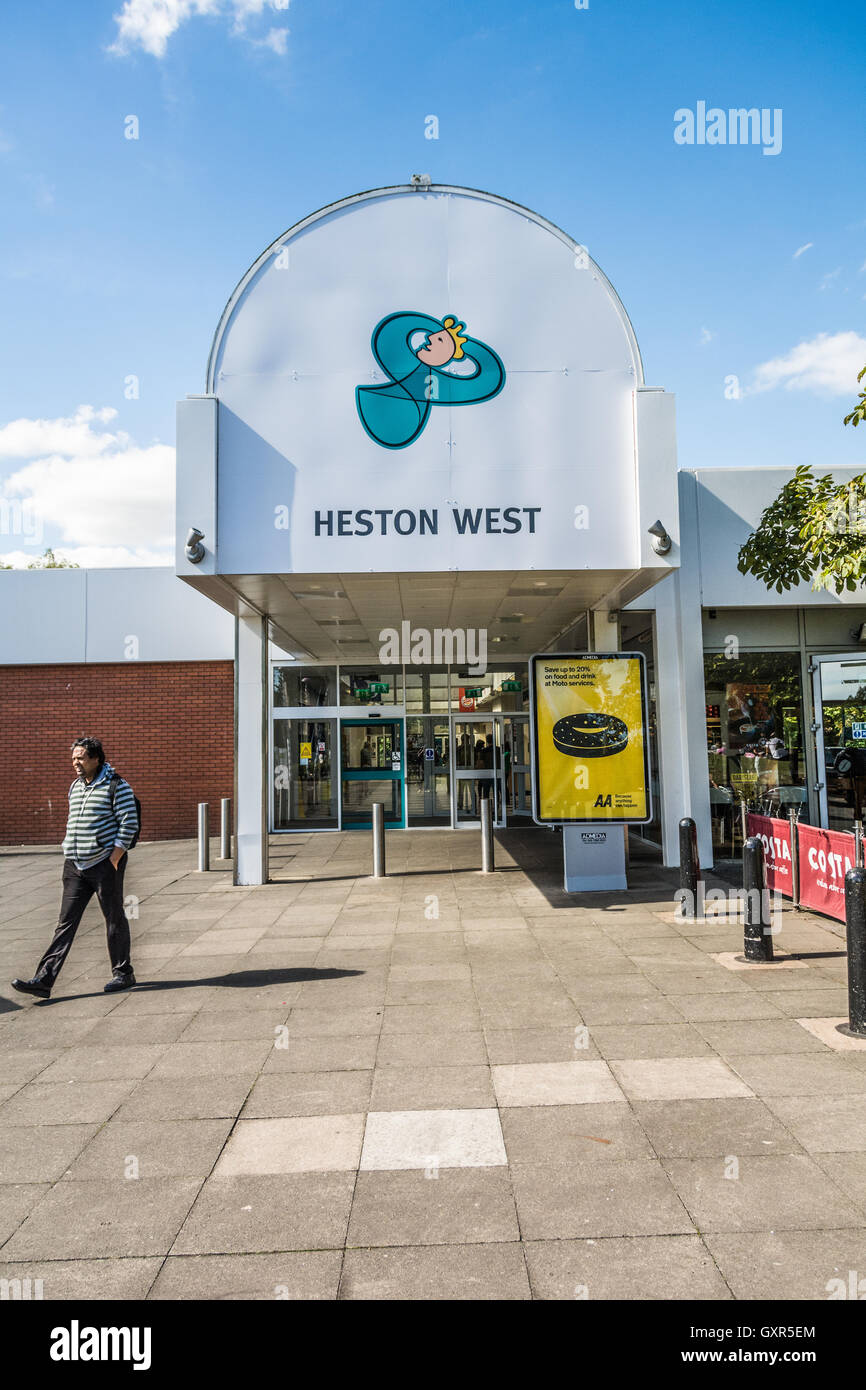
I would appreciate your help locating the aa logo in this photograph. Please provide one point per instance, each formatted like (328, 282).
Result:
(602, 800)
(428, 362)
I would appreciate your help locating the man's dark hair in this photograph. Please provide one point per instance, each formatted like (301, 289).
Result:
(91, 746)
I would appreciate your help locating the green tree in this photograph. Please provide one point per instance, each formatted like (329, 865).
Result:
(859, 411)
(815, 529)
(50, 561)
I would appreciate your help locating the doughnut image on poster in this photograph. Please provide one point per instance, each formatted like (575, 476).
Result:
(590, 742)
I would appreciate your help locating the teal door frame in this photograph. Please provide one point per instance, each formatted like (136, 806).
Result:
(367, 774)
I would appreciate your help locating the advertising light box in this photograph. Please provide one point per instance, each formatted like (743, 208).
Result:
(420, 382)
(590, 739)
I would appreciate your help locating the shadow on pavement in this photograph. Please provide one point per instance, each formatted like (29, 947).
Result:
(243, 979)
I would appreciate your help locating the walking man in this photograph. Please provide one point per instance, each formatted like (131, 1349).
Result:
(102, 826)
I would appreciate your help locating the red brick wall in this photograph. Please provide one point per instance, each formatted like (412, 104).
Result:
(166, 726)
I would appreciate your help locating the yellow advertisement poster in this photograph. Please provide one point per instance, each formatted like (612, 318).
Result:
(590, 742)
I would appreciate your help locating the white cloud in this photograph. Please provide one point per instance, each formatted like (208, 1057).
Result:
(706, 336)
(275, 39)
(149, 24)
(72, 434)
(827, 365)
(106, 498)
(830, 277)
(801, 249)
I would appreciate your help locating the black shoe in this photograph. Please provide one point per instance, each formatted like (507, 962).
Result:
(33, 987)
(118, 982)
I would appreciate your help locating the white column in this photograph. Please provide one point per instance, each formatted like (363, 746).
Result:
(681, 714)
(604, 631)
(251, 747)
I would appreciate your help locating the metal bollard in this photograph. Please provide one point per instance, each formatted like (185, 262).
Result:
(858, 844)
(378, 840)
(203, 837)
(855, 920)
(691, 896)
(793, 817)
(487, 865)
(226, 828)
(757, 941)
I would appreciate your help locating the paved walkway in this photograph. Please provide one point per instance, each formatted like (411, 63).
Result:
(439, 1085)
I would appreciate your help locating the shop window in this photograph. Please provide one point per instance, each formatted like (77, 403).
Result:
(497, 691)
(755, 737)
(365, 685)
(299, 686)
(426, 690)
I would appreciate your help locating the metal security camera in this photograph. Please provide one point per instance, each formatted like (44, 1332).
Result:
(194, 547)
(421, 181)
(661, 539)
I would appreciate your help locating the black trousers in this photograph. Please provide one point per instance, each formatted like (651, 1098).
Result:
(79, 886)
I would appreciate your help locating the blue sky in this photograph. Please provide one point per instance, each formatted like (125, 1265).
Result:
(118, 255)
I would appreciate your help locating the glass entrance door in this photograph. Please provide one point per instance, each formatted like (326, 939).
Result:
(476, 770)
(428, 776)
(371, 770)
(516, 786)
(839, 692)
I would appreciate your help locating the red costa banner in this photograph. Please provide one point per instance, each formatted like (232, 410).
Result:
(825, 858)
(776, 838)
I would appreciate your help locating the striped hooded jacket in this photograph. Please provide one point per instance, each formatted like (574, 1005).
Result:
(94, 828)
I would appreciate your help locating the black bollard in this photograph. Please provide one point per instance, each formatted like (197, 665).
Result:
(855, 919)
(690, 872)
(757, 943)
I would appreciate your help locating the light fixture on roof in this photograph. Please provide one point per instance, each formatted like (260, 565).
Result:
(421, 182)
(661, 540)
(194, 549)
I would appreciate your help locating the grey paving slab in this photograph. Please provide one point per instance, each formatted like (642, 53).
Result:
(432, 1088)
(805, 1074)
(258, 1214)
(635, 1040)
(217, 1057)
(823, 1124)
(33, 1154)
(848, 1171)
(782, 1192)
(758, 1037)
(594, 1199)
(637, 1268)
(437, 1273)
(100, 1279)
(160, 1149)
(432, 1049)
(286, 1093)
(65, 1102)
(17, 1200)
(324, 1054)
(678, 1078)
(326, 1022)
(296, 1144)
(507, 1046)
(784, 1265)
(83, 1220)
(296, 1276)
(698, 1008)
(455, 1207)
(713, 1128)
(195, 1098)
(568, 1134)
(109, 1063)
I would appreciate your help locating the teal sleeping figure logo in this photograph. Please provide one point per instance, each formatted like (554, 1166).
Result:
(429, 362)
